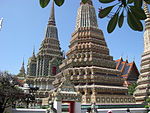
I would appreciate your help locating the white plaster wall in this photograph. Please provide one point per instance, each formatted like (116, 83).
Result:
(19, 110)
(58, 106)
(133, 110)
(77, 107)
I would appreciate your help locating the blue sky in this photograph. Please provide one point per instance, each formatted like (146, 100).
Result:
(24, 28)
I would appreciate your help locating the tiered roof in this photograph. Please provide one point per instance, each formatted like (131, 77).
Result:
(128, 70)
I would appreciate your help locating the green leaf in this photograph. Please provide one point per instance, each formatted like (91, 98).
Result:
(138, 3)
(104, 12)
(138, 11)
(112, 23)
(130, 1)
(147, 1)
(59, 2)
(106, 1)
(131, 88)
(44, 3)
(134, 22)
(121, 20)
(84, 1)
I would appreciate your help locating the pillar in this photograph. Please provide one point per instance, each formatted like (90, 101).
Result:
(57, 106)
(77, 108)
(93, 97)
(71, 107)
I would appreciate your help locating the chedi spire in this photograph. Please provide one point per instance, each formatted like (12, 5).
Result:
(52, 16)
(51, 30)
(86, 16)
(142, 91)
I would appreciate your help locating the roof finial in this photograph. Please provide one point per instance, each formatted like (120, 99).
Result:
(22, 67)
(23, 62)
(127, 57)
(133, 58)
(121, 55)
(52, 15)
(33, 51)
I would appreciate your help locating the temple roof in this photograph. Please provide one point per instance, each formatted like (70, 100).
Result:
(126, 67)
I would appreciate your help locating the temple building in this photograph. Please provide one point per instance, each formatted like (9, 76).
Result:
(128, 71)
(43, 67)
(143, 89)
(89, 65)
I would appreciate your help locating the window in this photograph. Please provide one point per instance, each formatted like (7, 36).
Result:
(54, 70)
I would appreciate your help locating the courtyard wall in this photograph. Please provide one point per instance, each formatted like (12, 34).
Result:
(133, 110)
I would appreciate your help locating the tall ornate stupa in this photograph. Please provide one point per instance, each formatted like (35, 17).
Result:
(89, 64)
(41, 69)
(22, 73)
(143, 89)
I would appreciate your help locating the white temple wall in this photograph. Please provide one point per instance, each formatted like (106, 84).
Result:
(58, 106)
(77, 107)
(29, 110)
(133, 110)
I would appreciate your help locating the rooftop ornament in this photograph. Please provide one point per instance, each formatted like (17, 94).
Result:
(1, 22)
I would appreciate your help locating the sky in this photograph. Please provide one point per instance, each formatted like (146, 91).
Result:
(24, 28)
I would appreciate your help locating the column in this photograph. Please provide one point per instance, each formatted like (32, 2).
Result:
(37, 68)
(85, 95)
(93, 97)
(77, 107)
(58, 106)
(43, 67)
(41, 85)
(71, 107)
(46, 82)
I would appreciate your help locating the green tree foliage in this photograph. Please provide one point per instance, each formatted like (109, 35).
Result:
(131, 88)
(9, 92)
(147, 103)
(132, 9)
